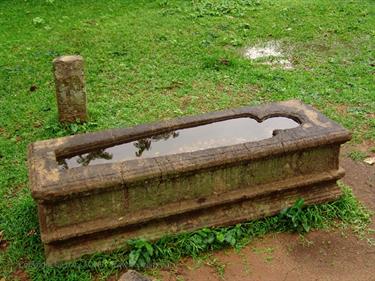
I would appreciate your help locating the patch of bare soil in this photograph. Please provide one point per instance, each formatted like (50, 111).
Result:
(3, 242)
(20, 275)
(320, 256)
(323, 256)
(360, 176)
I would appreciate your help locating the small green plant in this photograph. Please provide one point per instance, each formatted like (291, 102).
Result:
(294, 218)
(357, 155)
(163, 3)
(218, 63)
(141, 253)
(267, 252)
(218, 266)
(38, 21)
(221, 7)
(58, 130)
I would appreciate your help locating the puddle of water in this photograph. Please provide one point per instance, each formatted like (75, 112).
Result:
(217, 134)
(285, 64)
(270, 51)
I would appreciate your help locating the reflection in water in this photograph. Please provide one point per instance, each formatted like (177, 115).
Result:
(217, 134)
(85, 159)
(145, 144)
(142, 145)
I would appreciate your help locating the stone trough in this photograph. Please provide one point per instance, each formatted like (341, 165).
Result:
(96, 191)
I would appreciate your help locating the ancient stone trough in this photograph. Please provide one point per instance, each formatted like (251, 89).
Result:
(96, 191)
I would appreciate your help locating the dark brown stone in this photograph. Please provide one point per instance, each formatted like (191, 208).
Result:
(98, 208)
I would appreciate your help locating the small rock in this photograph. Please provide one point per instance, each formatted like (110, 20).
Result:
(132, 275)
(370, 160)
(33, 88)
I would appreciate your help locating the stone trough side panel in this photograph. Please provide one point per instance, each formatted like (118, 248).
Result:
(155, 198)
(216, 182)
(221, 215)
(88, 208)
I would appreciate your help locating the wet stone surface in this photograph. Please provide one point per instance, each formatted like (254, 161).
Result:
(217, 134)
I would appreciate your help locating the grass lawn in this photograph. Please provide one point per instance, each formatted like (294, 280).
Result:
(152, 60)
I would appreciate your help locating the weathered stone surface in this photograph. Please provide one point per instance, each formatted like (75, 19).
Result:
(70, 88)
(132, 275)
(98, 208)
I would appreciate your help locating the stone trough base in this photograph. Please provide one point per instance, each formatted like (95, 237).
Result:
(228, 214)
(98, 208)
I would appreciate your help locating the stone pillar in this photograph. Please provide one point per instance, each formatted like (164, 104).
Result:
(70, 88)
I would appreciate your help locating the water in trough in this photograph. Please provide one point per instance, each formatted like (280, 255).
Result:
(217, 134)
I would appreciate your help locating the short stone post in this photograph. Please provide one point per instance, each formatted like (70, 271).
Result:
(70, 88)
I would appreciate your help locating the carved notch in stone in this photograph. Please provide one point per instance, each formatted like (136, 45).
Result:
(70, 88)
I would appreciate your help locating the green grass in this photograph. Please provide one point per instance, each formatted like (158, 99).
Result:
(357, 155)
(152, 60)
